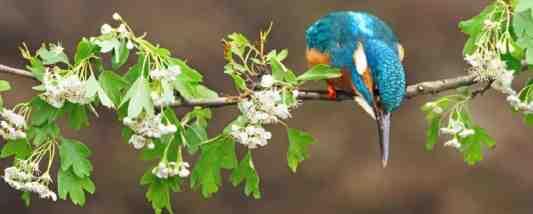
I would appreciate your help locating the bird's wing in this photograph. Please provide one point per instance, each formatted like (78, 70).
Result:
(364, 73)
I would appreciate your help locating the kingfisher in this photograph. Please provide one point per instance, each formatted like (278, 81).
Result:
(370, 58)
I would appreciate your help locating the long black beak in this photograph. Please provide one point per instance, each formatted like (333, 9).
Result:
(383, 119)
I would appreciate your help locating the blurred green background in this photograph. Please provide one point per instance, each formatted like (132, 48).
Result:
(344, 173)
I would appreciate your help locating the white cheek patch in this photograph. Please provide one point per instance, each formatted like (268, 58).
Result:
(359, 57)
(401, 52)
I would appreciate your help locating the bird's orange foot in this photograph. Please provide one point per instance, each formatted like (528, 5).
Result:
(332, 93)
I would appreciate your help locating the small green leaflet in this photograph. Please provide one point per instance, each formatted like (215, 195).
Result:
(139, 97)
(472, 147)
(85, 50)
(299, 142)
(43, 113)
(20, 149)
(74, 154)
(68, 184)
(320, 72)
(246, 172)
(77, 115)
(524, 5)
(280, 72)
(159, 190)
(107, 45)
(4, 86)
(120, 55)
(112, 85)
(218, 154)
(193, 90)
(52, 56)
(40, 134)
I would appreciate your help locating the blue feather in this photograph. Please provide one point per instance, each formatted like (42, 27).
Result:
(337, 34)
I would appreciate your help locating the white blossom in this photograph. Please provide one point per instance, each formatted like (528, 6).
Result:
(453, 143)
(22, 178)
(161, 171)
(116, 16)
(169, 74)
(130, 45)
(15, 119)
(139, 141)
(454, 127)
(149, 126)
(106, 28)
(58, 89)
(466, 133)
(165, 170)
(267, 81)
(122, 30)
(183, 169)
(251, 136)
(12, 125)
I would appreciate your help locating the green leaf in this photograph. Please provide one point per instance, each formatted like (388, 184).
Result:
(320, 72)
(159, 190)
(77, 116)
(299, 142)
(474, 27)
(473, 146)
(528, 119)
(40, 134)
(4, 86)
(193, 91)
(85, 50)
(52, 56)
(26, 197)
(216, 155)
(246, 172)
(139, 97)
(524, 5)
(21, 149)
(42, 112)
(188, 74)
(432, 132)
(69, 184)
(108, 45)
(120, 55)
(113, 85)
(74, 154)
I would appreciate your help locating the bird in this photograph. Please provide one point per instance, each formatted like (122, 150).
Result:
(369, 55)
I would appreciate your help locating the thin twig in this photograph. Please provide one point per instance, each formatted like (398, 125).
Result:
(429, 87)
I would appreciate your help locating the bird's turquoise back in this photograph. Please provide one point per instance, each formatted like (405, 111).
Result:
(337, 35)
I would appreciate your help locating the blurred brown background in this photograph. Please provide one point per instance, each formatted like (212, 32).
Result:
(344, 173)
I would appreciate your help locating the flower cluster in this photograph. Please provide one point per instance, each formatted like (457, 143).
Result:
(266, 106)
(122, 31)
(12, 125)
(251, 136)
(457, 130)
(490, 66)
(165, 77)
(166, 74)
(59, 89)
(147, 126)
(24, 177)
(166, 170)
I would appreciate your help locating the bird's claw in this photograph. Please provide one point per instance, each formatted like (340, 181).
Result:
(332, 93)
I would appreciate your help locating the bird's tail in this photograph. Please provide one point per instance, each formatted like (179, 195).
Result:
(383, 120)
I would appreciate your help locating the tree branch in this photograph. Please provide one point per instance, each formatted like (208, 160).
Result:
(428, 87)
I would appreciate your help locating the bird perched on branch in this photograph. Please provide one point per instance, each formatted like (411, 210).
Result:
(369, 56)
